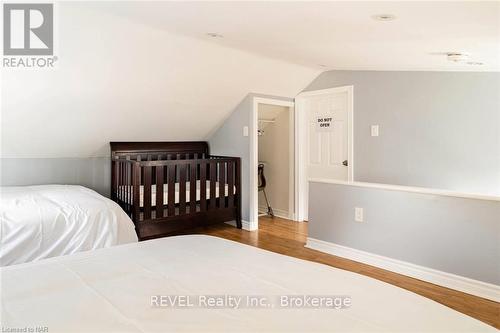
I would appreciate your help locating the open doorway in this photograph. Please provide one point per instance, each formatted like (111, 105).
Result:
(275, 137)
(277, 117)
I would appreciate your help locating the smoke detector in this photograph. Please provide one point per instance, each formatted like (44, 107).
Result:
(457, 57)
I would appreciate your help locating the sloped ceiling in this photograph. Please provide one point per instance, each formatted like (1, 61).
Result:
(119, 79)
(339, 34)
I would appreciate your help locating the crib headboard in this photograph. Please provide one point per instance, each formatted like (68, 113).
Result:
(143, 149)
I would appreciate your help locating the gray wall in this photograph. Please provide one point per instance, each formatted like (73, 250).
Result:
(228, 140)
(454, 235)
(437, 129)
(92, 172)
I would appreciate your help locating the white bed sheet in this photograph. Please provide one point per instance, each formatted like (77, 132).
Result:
(127, 198)
(38, 222)
(110, 290)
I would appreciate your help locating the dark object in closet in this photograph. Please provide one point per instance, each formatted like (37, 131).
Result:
(170, 187)
(262, 187)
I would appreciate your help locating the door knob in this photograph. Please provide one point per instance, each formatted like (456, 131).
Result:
(345, 163)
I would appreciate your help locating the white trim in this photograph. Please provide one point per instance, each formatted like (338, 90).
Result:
(254, 160)
(291, 164)
(448, 280)
(301, 121)
(245, 225)
(422, 190)
(273, 101)
(350, 133)
(300, 155)
(254, 157)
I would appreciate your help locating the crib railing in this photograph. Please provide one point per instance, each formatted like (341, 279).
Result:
(138, 185)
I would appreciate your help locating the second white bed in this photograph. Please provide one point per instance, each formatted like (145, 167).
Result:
(44, 221)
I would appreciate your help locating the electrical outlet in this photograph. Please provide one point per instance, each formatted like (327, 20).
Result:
(358, 214)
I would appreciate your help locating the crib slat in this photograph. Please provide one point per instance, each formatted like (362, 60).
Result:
(136, 182)
(230, 185)
(147, 192)
(114, 184)
(127, 181)
(171, 190)
(120, 183)
(222, 184)
(192, 187)
(150, 158)
(203, 186)
(124, 177)
(128, 186)
(182, 189)
(123, 187)
(159, 191)
(213, 179)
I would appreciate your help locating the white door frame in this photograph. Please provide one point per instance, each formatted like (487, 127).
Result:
(254, 156)
(301, 149)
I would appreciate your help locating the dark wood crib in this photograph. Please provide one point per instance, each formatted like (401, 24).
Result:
(170, 187)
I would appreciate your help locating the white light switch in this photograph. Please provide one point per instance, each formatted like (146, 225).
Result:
(358, 214)
(245, 130)
(374, 130)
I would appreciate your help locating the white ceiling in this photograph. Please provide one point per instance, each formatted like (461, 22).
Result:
(338, 35)
(119, 80)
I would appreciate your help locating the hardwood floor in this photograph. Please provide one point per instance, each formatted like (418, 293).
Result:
(288, 238)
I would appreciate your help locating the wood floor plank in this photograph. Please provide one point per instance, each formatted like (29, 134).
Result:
(288, 238)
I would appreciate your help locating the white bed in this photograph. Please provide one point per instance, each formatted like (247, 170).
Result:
(122, 192)
(110, 290)
(38, 222)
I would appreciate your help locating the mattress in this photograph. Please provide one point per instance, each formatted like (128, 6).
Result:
(122, 192)
(117, 290)
(38, 222)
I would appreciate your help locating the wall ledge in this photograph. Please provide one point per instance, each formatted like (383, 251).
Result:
(448, 280)
(421, 190)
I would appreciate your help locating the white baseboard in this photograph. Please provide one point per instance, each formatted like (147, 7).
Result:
(245, 225)
(448, 280)
(277, 212)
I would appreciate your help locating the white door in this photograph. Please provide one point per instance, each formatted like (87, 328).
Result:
(327, 152)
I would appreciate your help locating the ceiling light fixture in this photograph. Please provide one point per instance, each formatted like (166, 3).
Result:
(384, 17)
(214, 35)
